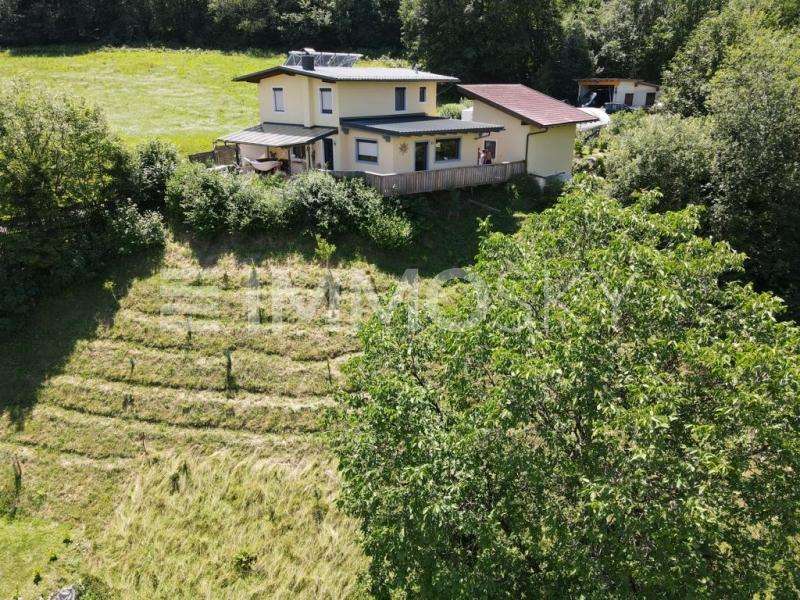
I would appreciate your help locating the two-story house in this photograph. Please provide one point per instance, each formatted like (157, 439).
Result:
(320, 112)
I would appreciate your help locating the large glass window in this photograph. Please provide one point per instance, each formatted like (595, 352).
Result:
(400, 98)
(326, 100)
(449, 149)
(367, 151)
(299, 151)
(277, 98)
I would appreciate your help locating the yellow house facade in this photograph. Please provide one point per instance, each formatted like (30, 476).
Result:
(382, 123)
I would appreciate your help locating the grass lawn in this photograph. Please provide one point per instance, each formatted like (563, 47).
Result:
(185, 96)
(168, 417)
(172, 477)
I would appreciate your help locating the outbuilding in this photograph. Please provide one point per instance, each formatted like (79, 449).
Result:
(631, 93)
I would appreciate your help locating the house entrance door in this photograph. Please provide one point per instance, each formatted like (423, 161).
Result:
(327, 151)
(421, 156)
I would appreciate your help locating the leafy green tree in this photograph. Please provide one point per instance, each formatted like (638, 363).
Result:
(64, 189)
(687, 80)
(619, 422)
(664, 152)
(154, 163)
(571, 62)
(636, 38)
(367, 23)
(755, 103)
(482, 40)
(55, 153)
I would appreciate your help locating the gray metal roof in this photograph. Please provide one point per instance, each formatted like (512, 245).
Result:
(349, 74)
(278, 135)
(419, 124)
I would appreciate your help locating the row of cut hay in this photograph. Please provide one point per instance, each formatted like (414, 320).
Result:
(299, 342)
(245, 412)
(84, 434)
(189, 369)
(307, 276)
(307, 306)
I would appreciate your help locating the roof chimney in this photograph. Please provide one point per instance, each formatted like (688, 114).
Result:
(307, 60)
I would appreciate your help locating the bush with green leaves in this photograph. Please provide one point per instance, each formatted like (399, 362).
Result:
(663, 152)
(614, 417)
(453, 110)
(742, 160)
(319, 202)
(154, 163)
(757, 170)
(131, 231)
(213, 202)
(64, 184)
(199, 197)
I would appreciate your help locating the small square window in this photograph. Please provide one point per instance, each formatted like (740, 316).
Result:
(423, 94)
(400, 98)
(449, 149)
(326, 101)
(277, 99)
(367, 151)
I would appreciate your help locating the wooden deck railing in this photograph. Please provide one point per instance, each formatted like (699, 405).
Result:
(439, 179)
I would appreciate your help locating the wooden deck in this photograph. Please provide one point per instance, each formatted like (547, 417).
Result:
(440, 179)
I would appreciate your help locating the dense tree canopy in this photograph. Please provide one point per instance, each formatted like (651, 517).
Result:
(757, 171)
(664, 152)
(483, 40)
(742, 160)
(619, 422)
(270, 24)
(636, 38)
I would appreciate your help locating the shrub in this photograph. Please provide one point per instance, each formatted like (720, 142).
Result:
(617, 424)
(199, 197)
(63, 184)
(256, 203)
(212, 202)
(389, 230)
(154, 163)
(319, 202)
(376, 217)
(666, 152)
(131, 231)
(454, 110)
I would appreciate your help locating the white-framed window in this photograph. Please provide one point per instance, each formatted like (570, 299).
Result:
(448, 149)
(367, 151)
(277, 100)
(326, 101)
(423, 94)
(399, 98)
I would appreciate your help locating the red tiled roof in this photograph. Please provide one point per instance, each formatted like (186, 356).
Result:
(527, 104)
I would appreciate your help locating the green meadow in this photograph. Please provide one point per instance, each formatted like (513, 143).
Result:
(184, 96)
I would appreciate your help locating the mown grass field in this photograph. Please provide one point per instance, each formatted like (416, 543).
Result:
(184, 96)
(148, 466)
